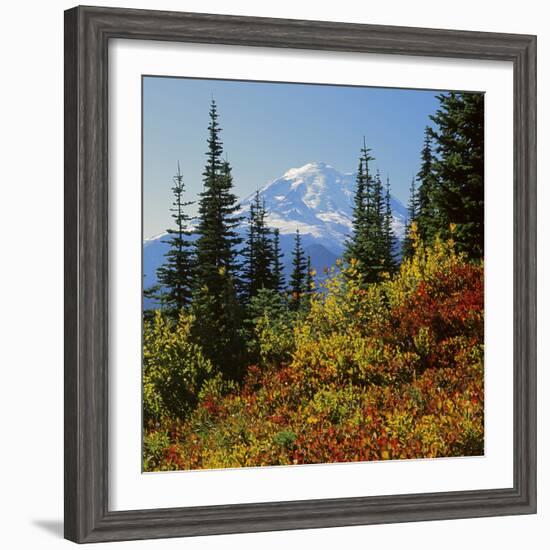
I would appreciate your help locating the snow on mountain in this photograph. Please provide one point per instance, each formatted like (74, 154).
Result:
(316, 198)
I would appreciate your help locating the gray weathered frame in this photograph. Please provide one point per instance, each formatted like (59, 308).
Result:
(87, 34)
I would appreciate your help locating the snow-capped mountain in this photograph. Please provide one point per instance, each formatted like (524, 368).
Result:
(316, 198)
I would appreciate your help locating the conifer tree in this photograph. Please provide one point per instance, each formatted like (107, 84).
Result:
(249, 252)
(359, 245)
(278, 274)
(387, 231)
(368, 246)
(259, 252)
(217, 235)
(376, 263)
(427, 215)
(412, 216)
(175, 275)
(298, 276)
(215, 284)
(459, 169)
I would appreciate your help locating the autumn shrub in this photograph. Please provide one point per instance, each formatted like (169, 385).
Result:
(392, 370)
(270, 324)
(174, 368)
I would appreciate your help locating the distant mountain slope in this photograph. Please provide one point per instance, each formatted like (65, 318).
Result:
(316, 198)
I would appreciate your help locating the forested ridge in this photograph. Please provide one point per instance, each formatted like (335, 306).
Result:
(382, 359)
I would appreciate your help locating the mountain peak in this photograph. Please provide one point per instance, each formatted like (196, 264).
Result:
(317, 199)
(310, 167)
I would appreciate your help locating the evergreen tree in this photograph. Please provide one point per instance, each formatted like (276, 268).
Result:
(412, 216)
(175, 275)
(359, 245)
(376, 235)
(217, 235)
(427, 214)
(249, 252)
(278, 274)
(458, 197)
(259, 252)
(215, 284)
(368, 246)
(387, 231)
(298, 276)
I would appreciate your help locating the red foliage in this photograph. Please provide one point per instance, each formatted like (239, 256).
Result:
(425, 398)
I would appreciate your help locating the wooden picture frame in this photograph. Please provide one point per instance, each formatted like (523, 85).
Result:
(87, 34)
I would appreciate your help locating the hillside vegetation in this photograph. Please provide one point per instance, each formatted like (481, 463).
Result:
(387, 370)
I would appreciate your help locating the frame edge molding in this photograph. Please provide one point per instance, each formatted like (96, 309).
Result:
(87, 32)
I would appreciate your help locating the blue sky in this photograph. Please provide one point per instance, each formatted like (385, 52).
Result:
(269, 128)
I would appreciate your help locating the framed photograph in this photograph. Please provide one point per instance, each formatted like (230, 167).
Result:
(300, 274)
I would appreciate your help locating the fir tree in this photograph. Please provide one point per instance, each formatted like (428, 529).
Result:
(175, 275)
(298, 276)
(217, 235)
(407, 249)
(427, 214)
(278, 274)
(367, 247)
(215, 284)
(458, 197)
(359, 245)
(376, 235)
(249, 252)
(388, 234)
(259, 252)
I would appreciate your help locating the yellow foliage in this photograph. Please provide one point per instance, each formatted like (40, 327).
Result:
(390, 370)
